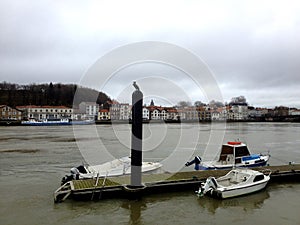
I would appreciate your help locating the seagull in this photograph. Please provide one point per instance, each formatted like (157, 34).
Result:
(136, 86)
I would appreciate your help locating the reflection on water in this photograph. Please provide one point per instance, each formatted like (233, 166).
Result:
(134, 208)
(246, 203)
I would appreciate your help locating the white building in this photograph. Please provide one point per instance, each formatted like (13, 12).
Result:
(125, 111)
(215, 115)
(164, 114)
(146, 115)
(257, 112)
(46, 112)
(120, 111)
(294, 112)
(90, 109)
(155, 114)
(239, 112)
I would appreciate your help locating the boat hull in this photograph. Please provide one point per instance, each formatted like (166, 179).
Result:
(223, 167)
(117, 167)
(239, 191)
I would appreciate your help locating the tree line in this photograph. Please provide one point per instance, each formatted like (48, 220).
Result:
(49, 94)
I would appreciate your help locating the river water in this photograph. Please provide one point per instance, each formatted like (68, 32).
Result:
(33, 160)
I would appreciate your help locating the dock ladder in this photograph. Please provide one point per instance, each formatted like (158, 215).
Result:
(63, 192)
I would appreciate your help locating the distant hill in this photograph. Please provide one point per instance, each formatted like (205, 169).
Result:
(49, 94)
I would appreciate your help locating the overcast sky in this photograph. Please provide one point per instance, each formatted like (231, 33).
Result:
(251, 47)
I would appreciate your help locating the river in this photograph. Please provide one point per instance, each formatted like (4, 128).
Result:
(33, 160)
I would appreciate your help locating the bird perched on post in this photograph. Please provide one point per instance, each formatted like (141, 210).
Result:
(136, 86)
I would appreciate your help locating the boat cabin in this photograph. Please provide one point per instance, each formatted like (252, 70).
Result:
(231, 149)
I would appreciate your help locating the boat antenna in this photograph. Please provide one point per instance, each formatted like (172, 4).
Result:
(233, 164)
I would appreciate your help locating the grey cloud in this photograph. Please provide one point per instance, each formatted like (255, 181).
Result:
(37, 45)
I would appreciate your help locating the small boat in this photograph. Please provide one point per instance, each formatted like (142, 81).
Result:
(116, 167)
(232, 153)
(235, 183)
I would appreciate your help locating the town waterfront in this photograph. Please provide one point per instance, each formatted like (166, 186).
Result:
(34, 159)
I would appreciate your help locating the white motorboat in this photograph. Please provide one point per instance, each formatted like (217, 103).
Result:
(235, 183)
(232, 153)
(116, 167)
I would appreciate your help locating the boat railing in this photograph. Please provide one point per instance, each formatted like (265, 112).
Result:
(267, 172)
(63, 192)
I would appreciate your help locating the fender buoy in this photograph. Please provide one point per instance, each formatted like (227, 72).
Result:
(234, 142)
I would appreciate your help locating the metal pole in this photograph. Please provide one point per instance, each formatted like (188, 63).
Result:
(136, 137)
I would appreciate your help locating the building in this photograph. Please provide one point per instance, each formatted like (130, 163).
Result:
(172, 114)
(215, 115)
(257, 112)
(125, 111)
(238, 111)
(46, 112)
(89, 109)
(204, 113)
(120, 111)
(294, 112)
(103, 114)
(155, 113)
(9, 113)
(146, 115)
(281, 111)
(188, 113)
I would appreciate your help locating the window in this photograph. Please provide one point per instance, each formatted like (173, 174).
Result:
(259, 178)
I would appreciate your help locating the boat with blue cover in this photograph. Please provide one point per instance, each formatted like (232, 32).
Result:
(232, 153)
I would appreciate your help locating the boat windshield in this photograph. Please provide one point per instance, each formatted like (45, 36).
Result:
(228, 150)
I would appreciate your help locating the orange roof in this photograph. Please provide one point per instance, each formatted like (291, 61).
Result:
(172, 110)
(113, 102)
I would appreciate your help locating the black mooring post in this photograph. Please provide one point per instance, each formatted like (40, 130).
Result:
(136, 137)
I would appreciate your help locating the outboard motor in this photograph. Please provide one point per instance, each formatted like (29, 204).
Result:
(75, 172)
(196, 161)
(66, 179)
(209, 185)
